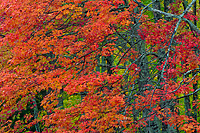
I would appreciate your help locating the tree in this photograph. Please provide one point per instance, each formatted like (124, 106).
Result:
(131, 63)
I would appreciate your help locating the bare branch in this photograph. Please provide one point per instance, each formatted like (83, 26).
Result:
(192, 26)
(188, 94)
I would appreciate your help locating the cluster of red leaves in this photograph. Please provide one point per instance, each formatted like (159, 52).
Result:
(35, 29)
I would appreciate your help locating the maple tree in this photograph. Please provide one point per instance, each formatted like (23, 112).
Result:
(99, 66)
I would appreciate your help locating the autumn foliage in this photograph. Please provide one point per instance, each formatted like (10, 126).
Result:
(129, 67)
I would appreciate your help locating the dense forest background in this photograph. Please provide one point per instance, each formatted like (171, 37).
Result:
(100, 66)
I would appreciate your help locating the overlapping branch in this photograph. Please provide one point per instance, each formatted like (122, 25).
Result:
(192, 26)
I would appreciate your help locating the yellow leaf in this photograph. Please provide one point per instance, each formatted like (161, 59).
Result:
(65, 12)
(59, 16)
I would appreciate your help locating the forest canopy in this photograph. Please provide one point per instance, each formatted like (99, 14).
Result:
(99, 66)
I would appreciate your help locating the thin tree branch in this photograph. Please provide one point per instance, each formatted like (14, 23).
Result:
(188, 94)
(192, 26)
